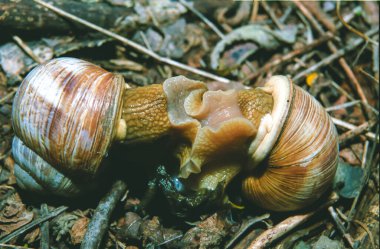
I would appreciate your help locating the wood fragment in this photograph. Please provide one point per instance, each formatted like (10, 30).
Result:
(340, 227)
(342, 106)
(271, 14)
(45, 237)
(99, 223)
(287, 225)
(349, 126)
(356, 131)
(244, 229)
(26, 49)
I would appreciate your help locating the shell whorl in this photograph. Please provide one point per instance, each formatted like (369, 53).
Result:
(302, 163)
(35, 174)
(66, 111)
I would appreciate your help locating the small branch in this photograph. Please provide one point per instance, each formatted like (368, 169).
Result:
(350, 28)
(45, 237)
(285, 226)
(133, 44)
(271, 14)
(27, 49)
(33, 224)
(340, 226)
(244, 227)
(7, 97)
(203, 18)
(98, 225)
(342, 106)
(356, 131)
(349, 126)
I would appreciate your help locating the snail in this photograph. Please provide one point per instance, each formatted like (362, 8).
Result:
(68, 112)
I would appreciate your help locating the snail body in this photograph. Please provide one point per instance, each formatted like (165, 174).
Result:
(218, 134)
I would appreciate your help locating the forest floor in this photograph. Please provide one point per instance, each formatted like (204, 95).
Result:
(328, 48)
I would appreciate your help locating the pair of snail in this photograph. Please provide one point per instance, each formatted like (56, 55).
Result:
(68, 112)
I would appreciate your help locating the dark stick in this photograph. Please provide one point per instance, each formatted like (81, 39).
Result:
(98, 225)
(45, 237)
(33, 224)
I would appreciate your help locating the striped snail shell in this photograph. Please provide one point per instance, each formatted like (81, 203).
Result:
(294, 163)
(67, 112)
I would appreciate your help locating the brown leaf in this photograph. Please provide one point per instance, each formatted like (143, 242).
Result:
(13, 214)
(78, 230)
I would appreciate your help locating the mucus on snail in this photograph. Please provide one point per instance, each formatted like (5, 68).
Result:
(68, 112)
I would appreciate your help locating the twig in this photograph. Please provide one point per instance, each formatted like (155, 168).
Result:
(365, 228)
(350, 28)
(27, 49)
(345, 93)
(33, 224)
(367, 170)
(342, 106)
(45, 237)
(285, 226)
(349, 126)
(255, 10)
(203, 18)
(7, 97)
(340, 226)
(271, 14)
(289, 56)
(336, 55)
(320, 15)
(356, 132)
(14, 247)
(132, 44)
(369, 76)
(245, 227)
(98, 225)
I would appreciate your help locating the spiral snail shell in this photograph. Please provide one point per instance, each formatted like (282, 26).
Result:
(68, 112)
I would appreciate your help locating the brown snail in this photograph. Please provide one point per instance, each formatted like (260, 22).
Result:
(68, 112)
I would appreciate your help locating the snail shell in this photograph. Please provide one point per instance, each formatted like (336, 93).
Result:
(300, 151)
(35, 174)
(66, 112)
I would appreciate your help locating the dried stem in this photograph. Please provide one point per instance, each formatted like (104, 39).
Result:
(340, 227)
(285, 226)
(98, 225)
(27, 49)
